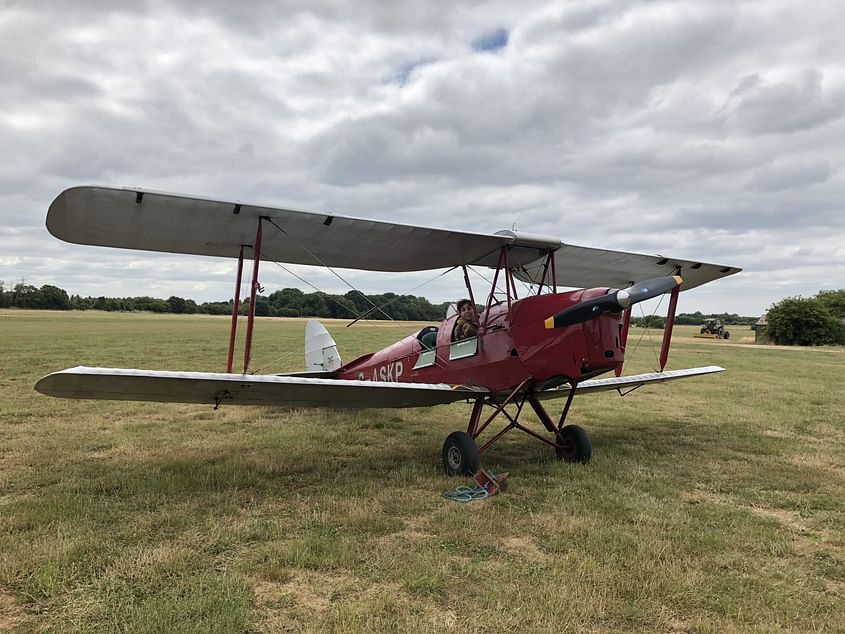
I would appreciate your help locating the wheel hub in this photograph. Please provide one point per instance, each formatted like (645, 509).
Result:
(454, 457)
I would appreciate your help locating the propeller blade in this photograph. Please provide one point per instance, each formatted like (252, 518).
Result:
(613, 301)
(652, 288)
(588, 309)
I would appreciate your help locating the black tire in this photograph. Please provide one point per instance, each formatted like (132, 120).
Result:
(703, 330)
(727, 335)
(576, 445)
(460, 454)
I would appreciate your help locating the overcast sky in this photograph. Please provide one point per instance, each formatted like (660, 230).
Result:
(711, 130)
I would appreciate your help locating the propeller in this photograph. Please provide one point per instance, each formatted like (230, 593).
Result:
(613, 301)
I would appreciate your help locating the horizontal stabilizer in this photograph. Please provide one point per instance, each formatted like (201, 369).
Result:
(243, 389)
(630, 382)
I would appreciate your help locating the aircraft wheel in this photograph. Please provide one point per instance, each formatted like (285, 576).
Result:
(576, 445)
(727, 335)
(460, 455)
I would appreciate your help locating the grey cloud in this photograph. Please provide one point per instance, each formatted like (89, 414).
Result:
(760, 106)
(781, 176)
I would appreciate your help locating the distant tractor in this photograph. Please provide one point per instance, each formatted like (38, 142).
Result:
(713, 329)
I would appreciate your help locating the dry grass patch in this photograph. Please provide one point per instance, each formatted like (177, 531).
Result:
(12, 614)
(522, 548)
(316, 602)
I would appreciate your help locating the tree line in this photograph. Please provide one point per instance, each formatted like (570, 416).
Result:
(804, 321)
(287, 302)
(693, 319)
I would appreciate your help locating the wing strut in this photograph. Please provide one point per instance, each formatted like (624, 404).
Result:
(469, 290)
(236, 303)
(510, 285)
(623, 336)
(667, 329)
(255, 287)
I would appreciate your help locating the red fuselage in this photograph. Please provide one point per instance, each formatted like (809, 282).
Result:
(512, 345)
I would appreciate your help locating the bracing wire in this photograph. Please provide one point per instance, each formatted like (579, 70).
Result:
(304, 281)
(333, 272)
(390, 301)
(647, 331)
(288, 356)
(495, 290)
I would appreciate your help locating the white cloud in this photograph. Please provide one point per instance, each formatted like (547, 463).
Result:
(711, 131)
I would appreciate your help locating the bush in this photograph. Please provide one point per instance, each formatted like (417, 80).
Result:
(804, 322)
(650, 321)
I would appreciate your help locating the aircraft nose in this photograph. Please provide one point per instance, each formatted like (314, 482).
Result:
(613, 301)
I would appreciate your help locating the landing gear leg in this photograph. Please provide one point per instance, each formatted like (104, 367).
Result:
(571, 443)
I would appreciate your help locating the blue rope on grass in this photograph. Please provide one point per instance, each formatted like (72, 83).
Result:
(479, 491)
(467, 494)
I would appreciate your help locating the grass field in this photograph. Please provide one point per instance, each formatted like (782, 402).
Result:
(711, 505)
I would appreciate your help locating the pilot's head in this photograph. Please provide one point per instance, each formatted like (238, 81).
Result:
(465, 309)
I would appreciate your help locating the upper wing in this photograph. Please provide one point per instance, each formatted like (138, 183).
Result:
(154, 221)
(630, 382)
(138, 219)
(586, 267)
(244, 389)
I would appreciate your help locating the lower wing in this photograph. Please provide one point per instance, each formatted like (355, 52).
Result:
(297, 391)
(244, 389)
(629, 382)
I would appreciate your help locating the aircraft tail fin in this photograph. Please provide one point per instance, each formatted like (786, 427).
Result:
(320, 349)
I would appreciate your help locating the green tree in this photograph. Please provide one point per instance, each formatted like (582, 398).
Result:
(651, 321)
(151, 304)
(78, 302)
(176, 305)
(834, 301)
(314, 305)
(263, 308)
(690, 319)
(341, 308)
(26, 296)
(290, 298)
(802, 321)
(54, 298)
(110, 304)
(216, 308)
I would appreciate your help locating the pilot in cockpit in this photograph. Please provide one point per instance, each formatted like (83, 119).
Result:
(465, 326)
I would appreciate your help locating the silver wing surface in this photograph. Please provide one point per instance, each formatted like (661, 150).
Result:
(630, 382)
(138, 219)
(155, 221)
(243, 389)
(586, 267)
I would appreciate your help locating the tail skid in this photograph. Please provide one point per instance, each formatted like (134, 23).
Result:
(320, 349)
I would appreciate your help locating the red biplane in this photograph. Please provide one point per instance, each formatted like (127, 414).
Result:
(549, 344)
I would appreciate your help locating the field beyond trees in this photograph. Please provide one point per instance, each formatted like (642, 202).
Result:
(710, 505)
